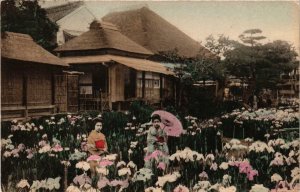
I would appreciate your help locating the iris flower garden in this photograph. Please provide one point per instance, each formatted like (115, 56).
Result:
(243, 150)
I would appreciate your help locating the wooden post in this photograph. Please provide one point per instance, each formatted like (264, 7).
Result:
(25, 81)
(119, 105)
(53, 91)
(143, 84)
(217, 87)
(175, 91)
(110, 88)
(65, 177)
(78, 94)
(161, 86)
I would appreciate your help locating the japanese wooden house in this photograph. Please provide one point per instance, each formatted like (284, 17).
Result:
(289, 84)
(116, 69)
(72, 17)
(155, 33)
(32, 79)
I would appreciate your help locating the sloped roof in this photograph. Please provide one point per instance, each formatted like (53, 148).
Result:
(155, 33)
(103, 35)
(71, 34)
(56, 13)
(138, 64)
(22, 47)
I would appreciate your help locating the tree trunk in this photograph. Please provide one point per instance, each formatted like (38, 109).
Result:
(180, 95)
(220, 91)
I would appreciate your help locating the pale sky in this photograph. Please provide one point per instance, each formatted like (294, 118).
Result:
(199, 19)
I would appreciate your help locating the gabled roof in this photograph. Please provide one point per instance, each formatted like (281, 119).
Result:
(155, 33)
(22, 47)
(71, 34)
(138, 64)
(103, 35)
(56, 13)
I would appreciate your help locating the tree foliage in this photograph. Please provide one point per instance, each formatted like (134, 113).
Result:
(29, 18)
(260, 64)
(219, 45)
(252, 37)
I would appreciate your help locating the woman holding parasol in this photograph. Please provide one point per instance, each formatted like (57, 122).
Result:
(164, 124)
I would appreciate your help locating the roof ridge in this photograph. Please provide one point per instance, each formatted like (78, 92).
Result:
(20, 35)
(69, 30)
(68, 4)
(97, 24)
(144, 26)
(58, 12)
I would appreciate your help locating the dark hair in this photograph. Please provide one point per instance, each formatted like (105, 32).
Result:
(155, 116)
(97, 119)
(94, 122)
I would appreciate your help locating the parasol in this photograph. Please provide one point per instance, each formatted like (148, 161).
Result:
(171, 124)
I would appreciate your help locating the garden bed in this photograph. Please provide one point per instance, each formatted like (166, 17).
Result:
(50, 154)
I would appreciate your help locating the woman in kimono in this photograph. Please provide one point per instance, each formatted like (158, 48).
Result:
(96, 143)
(157, 147)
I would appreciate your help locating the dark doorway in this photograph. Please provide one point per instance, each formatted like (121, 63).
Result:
(130, 85)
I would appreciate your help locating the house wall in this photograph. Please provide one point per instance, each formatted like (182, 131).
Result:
(14, 78)
(39, 87)
(27, 89)
(11, 85)
(116, 82)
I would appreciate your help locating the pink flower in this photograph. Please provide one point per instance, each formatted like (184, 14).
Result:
(70, 118)
(57, 148)
(245, 167)
(21, 146)
(251, 174)
(42, 143)
(102, 182)
(30, 155)
(162, 166)
(14, 128)
(93, 158)
(283, 184)
(115, 182)
(234, 163)
(214, 167)
(82, 179)
(154, 155)
(15, 152)
(181, 188)
(203, 175)
(105, 163)
(84, 146)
